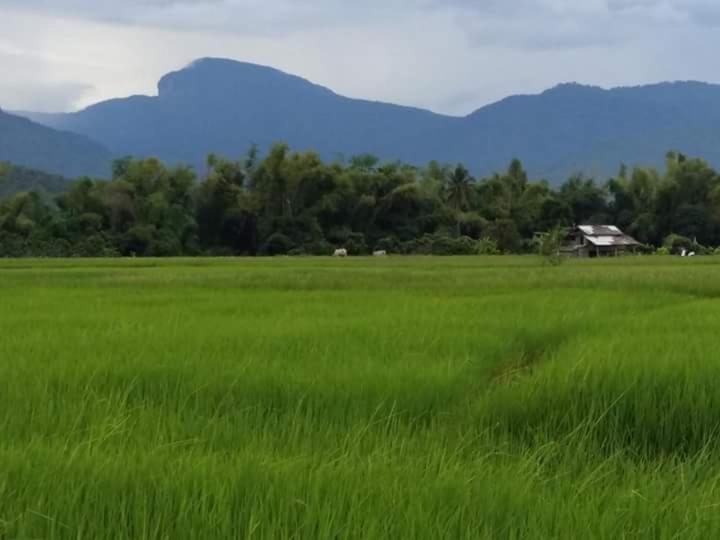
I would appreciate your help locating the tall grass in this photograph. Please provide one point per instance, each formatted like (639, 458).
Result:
(398, 398)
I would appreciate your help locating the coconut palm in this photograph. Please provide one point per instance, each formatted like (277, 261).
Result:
(456, 192)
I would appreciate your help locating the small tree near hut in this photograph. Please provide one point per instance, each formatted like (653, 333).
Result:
(549, 245)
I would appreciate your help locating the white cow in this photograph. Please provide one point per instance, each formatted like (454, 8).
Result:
(340, 253)
(380, 253)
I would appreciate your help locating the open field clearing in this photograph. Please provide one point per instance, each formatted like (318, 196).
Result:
(360, 398)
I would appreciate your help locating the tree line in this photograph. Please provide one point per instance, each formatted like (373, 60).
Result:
(295, 203)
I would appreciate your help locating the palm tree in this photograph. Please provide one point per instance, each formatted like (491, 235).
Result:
(456, 192)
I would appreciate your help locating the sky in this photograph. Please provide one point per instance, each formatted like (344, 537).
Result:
(450, 56)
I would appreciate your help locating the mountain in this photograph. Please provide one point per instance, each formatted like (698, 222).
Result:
(224, 106)
(14, 179)
(29, 144)
(573, 128)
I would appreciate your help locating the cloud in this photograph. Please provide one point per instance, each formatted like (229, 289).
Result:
(514, 23)
(33, 85)
(698, 12)
(448, 55)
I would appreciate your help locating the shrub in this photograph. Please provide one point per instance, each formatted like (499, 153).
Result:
(356, 244)
(442, 245)
(165, 244)
(419, 246)
(464, 246)
(389, 244)
(675, 243)
(95, 246)
(277, 244)
(487, 246)
(319, 247)
(138, 239)
(549, 244)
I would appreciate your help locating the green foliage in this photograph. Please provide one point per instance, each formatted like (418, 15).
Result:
(549, 245)
(388, 244)
(293, 201)
(675, 243)
(487, 246)
(278, 244)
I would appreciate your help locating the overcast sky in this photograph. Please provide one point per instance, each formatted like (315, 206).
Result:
(451, 56)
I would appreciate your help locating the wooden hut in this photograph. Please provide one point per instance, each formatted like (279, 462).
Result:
(599, 241)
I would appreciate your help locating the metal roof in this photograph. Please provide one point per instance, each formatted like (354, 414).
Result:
(612, 241)
(600, 230)
(606, 236)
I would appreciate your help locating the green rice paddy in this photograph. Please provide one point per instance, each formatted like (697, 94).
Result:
(359, 399)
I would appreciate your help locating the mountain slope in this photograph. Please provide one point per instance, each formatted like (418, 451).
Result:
(225, 106)
(29, 144)
(574, 128)
(14, 179)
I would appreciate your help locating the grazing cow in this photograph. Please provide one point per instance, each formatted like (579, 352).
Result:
(340, 253)
(380, 253)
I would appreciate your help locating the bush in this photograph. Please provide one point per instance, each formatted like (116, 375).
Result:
(319, 248)
(675, 243)
(418, 246)
(277, 244)
(95, 246)
(487, 246)
(356, 244)
(138, 239)
(389, 244)
(464, 246)
(549, 244)
(165, 244)
(440, 245)
(506, 235)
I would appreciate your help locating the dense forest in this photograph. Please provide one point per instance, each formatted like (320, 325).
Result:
(294, 203)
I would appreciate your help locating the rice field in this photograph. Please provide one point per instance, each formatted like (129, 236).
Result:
(479, 398)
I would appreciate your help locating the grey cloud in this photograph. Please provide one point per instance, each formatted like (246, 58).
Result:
(700, 12)
(452, 55)
(41, 96)
(509, 23)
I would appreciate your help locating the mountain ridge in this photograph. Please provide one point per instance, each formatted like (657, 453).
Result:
(29, 144)
(224, 106)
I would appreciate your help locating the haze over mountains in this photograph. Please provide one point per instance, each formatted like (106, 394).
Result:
(224, 106)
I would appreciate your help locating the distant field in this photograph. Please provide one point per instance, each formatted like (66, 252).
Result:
(361, 398)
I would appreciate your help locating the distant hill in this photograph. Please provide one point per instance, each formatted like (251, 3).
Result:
(14, 179)
(573, 128)
(29, 144)
(225, 106)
